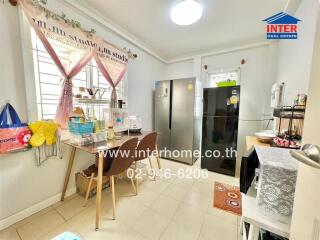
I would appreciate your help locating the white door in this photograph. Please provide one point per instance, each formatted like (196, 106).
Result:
(306, 212)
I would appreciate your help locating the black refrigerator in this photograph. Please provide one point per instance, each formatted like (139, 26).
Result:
(220, 129)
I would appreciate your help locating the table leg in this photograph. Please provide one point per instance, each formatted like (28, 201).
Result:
(99, 189)
(158, 158)
(253, 232)
(67, 177)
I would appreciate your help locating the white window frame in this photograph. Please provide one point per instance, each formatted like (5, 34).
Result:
(31, 75)
(222, 71)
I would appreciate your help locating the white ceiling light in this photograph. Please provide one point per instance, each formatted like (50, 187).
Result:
(186, 12)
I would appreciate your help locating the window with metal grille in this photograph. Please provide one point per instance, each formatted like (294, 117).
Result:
(224, 76)
(48, 81)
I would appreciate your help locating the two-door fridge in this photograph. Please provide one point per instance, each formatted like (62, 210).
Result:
(178, 118)
(220, 129)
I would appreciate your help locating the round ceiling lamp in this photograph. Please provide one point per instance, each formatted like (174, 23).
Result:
(186, 12)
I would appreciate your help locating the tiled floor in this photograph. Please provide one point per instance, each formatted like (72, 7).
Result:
(164, 209)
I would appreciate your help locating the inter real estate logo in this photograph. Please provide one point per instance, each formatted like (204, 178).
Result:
(282, 26)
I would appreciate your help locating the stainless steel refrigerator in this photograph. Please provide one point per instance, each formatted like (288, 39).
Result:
(178, 118)
(220, 129)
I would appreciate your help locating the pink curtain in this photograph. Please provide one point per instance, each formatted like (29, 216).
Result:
(71, 49)
(69, 59)
(114, 80)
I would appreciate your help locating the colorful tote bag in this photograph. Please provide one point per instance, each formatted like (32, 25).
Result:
(14, 135)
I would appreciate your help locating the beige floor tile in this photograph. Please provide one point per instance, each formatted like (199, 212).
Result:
(204, 186)
(72, 207)
(113, 235)
(214, 228)
(127, 212)
(156, 186)
(32, 217)
(179, 231)
(124, 188)
(185, 183)
(9, 234)
(146, 196)
(201, 238)
(198, 200)
(133, 235)
(103, 234)
(151, 224)
(64, 227)
(175, 192)
(40, 225)
(66, 199)
(83, 222)
(223, 215)
(190, 217)
(165, 206)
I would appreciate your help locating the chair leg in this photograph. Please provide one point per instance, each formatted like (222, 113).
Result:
(88, 189)
(133, 186)
(154, 175)
(135, 177)
(158, 158)
(113, 197)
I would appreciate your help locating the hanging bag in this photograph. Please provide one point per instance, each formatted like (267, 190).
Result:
(14, 136)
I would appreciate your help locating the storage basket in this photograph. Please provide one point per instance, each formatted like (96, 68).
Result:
(80, 128)
(82, 183)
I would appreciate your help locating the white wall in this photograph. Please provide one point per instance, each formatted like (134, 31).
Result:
(295, 55)
(306, 215)
(183, 69)
(23, 185)
(257, 77)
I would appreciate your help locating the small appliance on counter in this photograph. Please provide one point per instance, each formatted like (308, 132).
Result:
(135, 124)
(277, 92)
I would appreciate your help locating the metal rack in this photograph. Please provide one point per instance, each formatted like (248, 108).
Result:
(295, 112)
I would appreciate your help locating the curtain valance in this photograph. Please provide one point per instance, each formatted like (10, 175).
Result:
(71, 48)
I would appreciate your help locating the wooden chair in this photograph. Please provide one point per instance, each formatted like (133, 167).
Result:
(146, 149)
(92, 171)
(123, 159)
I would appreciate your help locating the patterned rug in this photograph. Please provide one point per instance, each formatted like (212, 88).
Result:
(227, 198)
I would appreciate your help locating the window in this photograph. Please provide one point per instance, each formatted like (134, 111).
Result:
(224, 76)
(48, 81)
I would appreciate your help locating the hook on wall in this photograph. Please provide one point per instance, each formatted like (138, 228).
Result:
(13, 2)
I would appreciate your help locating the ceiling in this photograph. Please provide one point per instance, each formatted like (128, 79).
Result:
(224, 24)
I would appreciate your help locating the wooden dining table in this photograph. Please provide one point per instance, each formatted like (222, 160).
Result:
(96, 148)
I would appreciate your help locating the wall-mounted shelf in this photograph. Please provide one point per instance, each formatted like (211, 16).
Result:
(92, 101)
(288, 112)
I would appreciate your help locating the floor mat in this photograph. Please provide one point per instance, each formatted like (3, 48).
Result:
(227, 198)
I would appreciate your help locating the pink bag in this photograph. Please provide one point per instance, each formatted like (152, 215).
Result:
(15, 136)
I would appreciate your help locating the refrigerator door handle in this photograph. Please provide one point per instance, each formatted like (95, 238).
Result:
(170, 104)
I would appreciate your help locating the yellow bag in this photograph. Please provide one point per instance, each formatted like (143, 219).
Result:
(43, 132)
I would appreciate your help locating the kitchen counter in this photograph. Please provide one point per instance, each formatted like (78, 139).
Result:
(253, 141)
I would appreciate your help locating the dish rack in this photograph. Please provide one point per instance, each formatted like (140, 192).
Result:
(295, 112)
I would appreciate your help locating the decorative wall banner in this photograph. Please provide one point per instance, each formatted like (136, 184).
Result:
(71, 48)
